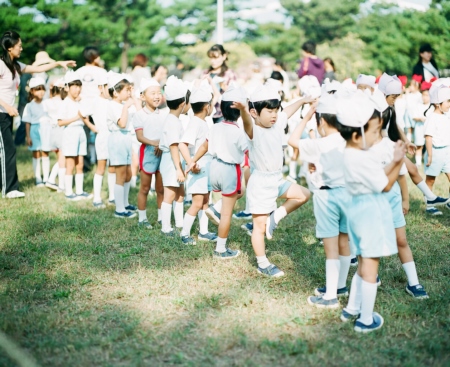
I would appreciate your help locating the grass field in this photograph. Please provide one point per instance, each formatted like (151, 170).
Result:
(81, 288)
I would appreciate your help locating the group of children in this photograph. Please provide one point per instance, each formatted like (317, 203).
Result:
(353, 147)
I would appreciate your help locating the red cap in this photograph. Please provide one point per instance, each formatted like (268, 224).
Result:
(433, 79)
(403, 79)
(417, 78)
(425, 86)
(377, 79)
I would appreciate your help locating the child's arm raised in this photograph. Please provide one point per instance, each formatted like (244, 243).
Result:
(295, 136)
(293, 108)
(246, 118)
(122, 122)
(393, 169)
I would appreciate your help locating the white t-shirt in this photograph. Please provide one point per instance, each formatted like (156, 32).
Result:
(429, 71)
(419, 111)
(152, 123)
(400, 109)
(8, 84)
(327, 154)
(34, 113)
(51, 107)
(100, 108)
(195, 135)
(438, 127)
(113, 114)
(89, 77)
(68, 109)
(172, 132)
(412, 100)
(227, 142)
(363, 172)
(384, 150)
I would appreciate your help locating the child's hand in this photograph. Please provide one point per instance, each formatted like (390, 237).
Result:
(399, 151)
(311, 167)
(429, 160)
(192, 167)
(29, 142)
(308, 99)
(405, 206)
(66, 64)
(158, 152)
(180, 175)
(239, 106)
(411, 147)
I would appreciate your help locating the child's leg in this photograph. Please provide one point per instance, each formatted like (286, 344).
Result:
(259, 246)
(406, 256)
(202, 217)
(418, 180)
(134, 168)
(37, 166)
(430, 181)
(98, 180)
(226, 213)
(178, 207)
(166, 208)
(127, 186)
(189, 217)
(159, 192)
(332, 266)
(419, 156)
(293, 164)
(111, 182)
(70, 165)
(119, 191)
(53, 174)
(144, 188)
(79, 177)
(345, 259)
(45, 166)
(62, 170)
(368, 272)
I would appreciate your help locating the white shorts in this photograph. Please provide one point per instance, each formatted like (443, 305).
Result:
(168, 171)
(136, 144)
(35, 136)
(57, 136)
(74, 142)
(45, 131)
(419, 134)
(225, 177)
(119, 148)
(263, 190)
(199, 183)
(440, 161)
(101, 146)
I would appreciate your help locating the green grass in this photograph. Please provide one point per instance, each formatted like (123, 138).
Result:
(81, 288)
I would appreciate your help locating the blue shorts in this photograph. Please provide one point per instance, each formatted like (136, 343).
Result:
(168, 171)
(119, 148)
(35, 136)
(45, 131)
(394, 197)
(148, 162)
(225, 177)
(409, 121)
(330, 208)
(440, 161)
(199, 183)
(74, 142)
(419, 134)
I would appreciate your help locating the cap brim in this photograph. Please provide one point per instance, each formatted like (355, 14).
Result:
(42, 62)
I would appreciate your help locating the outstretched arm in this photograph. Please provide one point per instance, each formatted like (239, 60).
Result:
(295, 136)
(246, 118)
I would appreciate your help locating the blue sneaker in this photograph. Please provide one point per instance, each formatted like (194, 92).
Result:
(228, 254)
(347, 316)
(187, 240)
(378, 281)
(131, 208)
(248, 227)
(377, 323)
(213, 215)
(433, 211)
(99, 205)
(84, 196)
(341, 292)
(447, 206)
(111, 202)
(270, 226)
(320, 302)
(271, 271)
(207, 237)
(417, 291)
(145, 224)
(438, 201)
(242, 215)
(73, 197)
(125, 215)
(354, 261)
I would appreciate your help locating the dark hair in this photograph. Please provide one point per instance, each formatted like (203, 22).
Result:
(426, 47)
(281, 64)
(347, 131)
(212, 52)
(156, 67)
(310, 47)
(140, 60)
(390, 117)
(118, 87)
(329, 119)
(9, 40)
(75, 82)
(175, 104)
(271, 104)
(277, 76)
(328, 59)
(30, 93)
(90, 53)
(229, 114)
(57, 91)
(179, 62)
(198, 107)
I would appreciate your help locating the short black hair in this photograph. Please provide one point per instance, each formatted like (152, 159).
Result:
(90, 53)
(347, 131)
(198, 106)
(310, 47)
(270, 104)
(75, 82)
(175, 104)
(118, 87)
(230, 114)
(277, 76)
(328, 117)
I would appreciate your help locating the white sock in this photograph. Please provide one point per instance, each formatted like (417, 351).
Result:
(279, 214)
(332, 268)
(419, 159)
(203, 220)
(126, 193)
(142, 215)
(111, 184)
(369, 294)
(79, 177)
(68, 182)
(119, 196)
(45, 168)
(343, 272)
(133, 181)
(262, 261)
(411, 273)
(62, 178)
(221, 245)
(98, 180)
(53, 173)
(178, 211)
(166, 214)
(422, 186)
(293, 169)
(159, 215)
(354, 298)
(187, 225)
(409, 136)
(218, 206)
(37, 169)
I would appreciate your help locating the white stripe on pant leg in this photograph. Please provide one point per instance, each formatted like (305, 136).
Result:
(3, 165)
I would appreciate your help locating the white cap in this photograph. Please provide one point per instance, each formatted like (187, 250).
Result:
(439, 93)
(36, 82)
(71, 76)
(354, 110)
(264, 93)
(102, 79)
(114, 78)
(309, 86)
(390, 85)
(327, 103)
(175, 88)
(234, 93)
(442, 81)
(275, 84)
(330, 86)
(379, 101)
(128, 77)
(59, 83)
(147, 83)
(369, 80)
(201, 93)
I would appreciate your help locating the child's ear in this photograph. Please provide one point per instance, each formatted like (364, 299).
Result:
(253, 113)
(355, 137)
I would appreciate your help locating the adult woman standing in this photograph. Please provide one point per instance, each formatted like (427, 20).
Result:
(10, 71)
(426, 66)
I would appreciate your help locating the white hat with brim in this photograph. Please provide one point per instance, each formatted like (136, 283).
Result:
(364, 79)
(327, 103)
(201, 93)
(59, 83)
(439, 93)
(175, 88)
(36, 82)
(390, 85)
(42, 58)
(102, 79)
(379, 101)
(234, 93)
(354, 110)
(71, 76)
(114, 79)
(332, 86)
(275, 84)
(264, 93)
(147, 83)
(309, 85)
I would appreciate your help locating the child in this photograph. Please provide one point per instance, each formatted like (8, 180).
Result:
(412, 99)
(119, 142)
(418, 115)
(198, 185)
(364, 82)
(34, 114)
(148, 123)
(74, 143)
(177, 97)
(369, 216)
(331, 199)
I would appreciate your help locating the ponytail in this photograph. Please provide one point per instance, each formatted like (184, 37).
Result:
(9, 40)
(431, 105)
(390, 118)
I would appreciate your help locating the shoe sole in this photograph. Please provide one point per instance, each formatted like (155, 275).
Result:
(339, 295)
(365, 331)
(242, 218)
(51, 187)
(439, 204)
(228, 257)
(206, 239)
(212, 217)
(318, 305)
(354, 264)
(351, 318)
(131, 216)
(413, 296)
(278, 275)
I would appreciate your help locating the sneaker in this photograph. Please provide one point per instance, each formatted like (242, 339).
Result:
(125, 215)
(377, 323)
(320, 241)
(433, 211)
(320, 302)
(270, 226)
(131, 208)
(187, 202)
(242, 215)
(73, 197)
(207, 237)
(438, 201)
(169, 234)
(248, 227)
(341, 292)
(84, 196)
(40, 184)
(160, 222)
(447, 206)
(271, 271)
(378, 281)
(188, 240)
(99, 205)
(52, 186)
(213, 215)
(111, 202)
(228, 254)
(145, 224)
(417, 291)
(347, 316)
(354, 261)
(15, 194)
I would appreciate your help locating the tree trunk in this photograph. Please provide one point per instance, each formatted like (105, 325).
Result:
(124, 57)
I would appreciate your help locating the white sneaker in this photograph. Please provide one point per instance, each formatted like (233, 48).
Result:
(15, 194)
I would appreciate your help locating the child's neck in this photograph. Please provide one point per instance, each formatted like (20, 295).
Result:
(201, 116)
(217, 70)
(437, 110)
(176, 113)
(150, 108)
(351, 144)
(118, 100)
(37, 100)
(72, 97)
